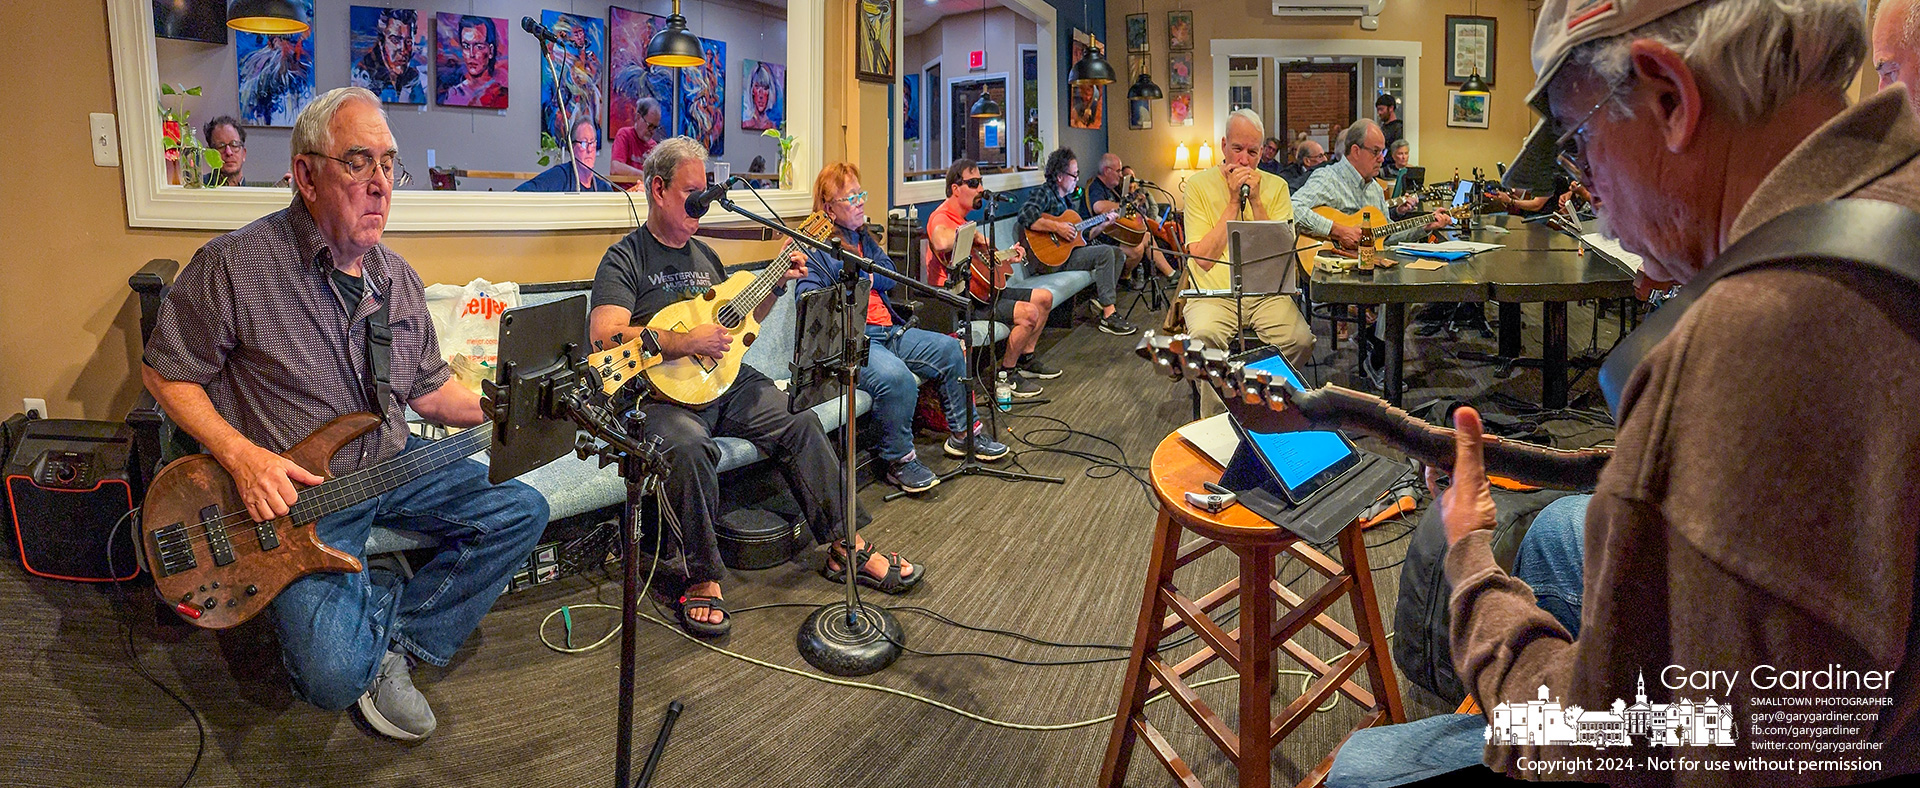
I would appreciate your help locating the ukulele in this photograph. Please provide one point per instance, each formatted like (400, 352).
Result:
(987, 272)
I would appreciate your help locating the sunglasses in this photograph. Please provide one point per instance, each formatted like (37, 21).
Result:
(972, 183)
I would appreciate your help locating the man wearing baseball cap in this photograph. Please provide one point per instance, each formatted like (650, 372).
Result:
(1760, 513)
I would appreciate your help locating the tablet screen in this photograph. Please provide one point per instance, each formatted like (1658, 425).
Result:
(1304, 461)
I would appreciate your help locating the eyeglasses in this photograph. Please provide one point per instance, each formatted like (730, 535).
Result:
(361, 167)
(856, 198)
(587, 144)
(972, 183)
(1572, 146)
(1373, 151)
(229, 147)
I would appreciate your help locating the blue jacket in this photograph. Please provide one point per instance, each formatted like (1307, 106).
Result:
(823, 270)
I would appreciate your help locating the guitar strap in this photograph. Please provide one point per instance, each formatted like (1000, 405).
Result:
(1862, 233)
(380, 358)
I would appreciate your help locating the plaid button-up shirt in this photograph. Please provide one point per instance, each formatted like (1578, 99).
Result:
(255, 320)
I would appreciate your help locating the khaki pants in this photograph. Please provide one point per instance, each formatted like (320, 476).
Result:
(1275, 320)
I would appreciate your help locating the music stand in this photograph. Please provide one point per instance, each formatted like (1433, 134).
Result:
(1272, 274)
(545, 389)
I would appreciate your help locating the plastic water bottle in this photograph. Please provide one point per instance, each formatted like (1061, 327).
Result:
(1002, 393)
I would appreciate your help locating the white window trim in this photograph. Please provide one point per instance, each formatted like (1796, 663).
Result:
(1017, 94)
(1222, 49)
(1045, 20)
(151, 202)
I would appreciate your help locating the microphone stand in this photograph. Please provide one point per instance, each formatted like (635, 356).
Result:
(1239, 303)
(848, 638)
(970, 464)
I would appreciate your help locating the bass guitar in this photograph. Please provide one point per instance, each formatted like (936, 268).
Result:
(217, 567)
(1051, 250)
(695, 381)
(1264, 402)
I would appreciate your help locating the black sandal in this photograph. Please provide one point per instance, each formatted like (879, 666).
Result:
(698, 628)
(893, 583)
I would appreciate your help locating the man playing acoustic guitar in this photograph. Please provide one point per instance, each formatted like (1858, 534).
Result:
(1041, 214)
(1023, 308)
(236, 361)
(653, 267)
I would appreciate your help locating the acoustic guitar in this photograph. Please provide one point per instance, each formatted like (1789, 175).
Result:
(217, 567)
(695, 381)
(1051, 250)
(987, 272)
(1130, 228)
(1264, 403)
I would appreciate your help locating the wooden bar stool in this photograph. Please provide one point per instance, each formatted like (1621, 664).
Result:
(1264, 626)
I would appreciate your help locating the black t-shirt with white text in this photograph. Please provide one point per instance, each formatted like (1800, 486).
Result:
(643, 276)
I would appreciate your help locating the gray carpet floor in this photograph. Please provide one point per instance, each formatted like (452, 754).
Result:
(1059, 562)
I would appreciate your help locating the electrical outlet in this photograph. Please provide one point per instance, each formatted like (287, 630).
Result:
(105, 139)
(34, 406)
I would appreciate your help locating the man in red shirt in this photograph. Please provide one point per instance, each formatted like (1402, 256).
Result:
(1025, 308)
(632, 144)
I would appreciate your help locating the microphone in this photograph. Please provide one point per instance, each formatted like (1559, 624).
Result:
(1246, 193)
(538, 30)
(697, 204)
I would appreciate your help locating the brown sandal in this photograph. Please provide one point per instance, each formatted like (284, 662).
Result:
(892, 583)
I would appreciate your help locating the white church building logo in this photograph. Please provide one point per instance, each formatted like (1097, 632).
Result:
(1544, 721)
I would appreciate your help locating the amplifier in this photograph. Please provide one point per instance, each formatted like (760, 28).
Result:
(66, 488)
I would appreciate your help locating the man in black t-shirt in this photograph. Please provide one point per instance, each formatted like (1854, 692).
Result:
(1108, 192)
(1386, 109)
(662, 263)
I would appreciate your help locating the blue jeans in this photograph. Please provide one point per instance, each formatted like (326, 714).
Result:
(335, 627)
(894, 356)
(1550, 561)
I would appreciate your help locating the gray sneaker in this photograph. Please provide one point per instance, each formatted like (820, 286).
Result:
(393, 706)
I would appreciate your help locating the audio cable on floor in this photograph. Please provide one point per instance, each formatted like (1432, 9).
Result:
(133, 656)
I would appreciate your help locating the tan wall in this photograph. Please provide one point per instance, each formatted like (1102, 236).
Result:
(1441, 148)
(72, 326)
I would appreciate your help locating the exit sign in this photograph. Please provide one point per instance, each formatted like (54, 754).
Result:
(977, 60)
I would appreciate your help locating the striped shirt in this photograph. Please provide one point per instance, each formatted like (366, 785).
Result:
(255, 320)
(1340, 186)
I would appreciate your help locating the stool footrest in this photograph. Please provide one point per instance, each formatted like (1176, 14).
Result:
(1326, 685)
(1320, 668)
(1216, 638)
(1209, 603)
(1210, 723)
(1162, 750)
(1332, 628)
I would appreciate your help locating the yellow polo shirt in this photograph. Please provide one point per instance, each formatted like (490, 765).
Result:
(1207, 201)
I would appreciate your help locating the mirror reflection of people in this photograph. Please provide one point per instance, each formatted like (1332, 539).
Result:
(759, 164)
(632, 144)
(576, 175)
(1024, 309)
(258, 345)
(479, 51)
(225, 136)
(387, 69)
(1270, 156)
(1041, 213)
(896, 351)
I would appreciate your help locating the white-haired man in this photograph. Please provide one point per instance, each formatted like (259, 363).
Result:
(1213, 199)
(263, 339)
(1756, 521)
(1896, 43)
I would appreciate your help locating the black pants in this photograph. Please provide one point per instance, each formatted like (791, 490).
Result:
(755, 410)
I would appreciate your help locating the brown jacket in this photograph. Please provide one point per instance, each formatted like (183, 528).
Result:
(1760, 514)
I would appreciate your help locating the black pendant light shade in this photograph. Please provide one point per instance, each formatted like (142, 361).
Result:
(1474, 86)
(1093, 67)
(267, 17)
(673, 46)
(1143, 88)
(985, 107)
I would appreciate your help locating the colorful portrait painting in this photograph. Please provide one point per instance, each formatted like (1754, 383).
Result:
(470, 61)
(1180, 109)
(1086, 109)
(1136, 65)
(570, 74)
(1179, 70)
(873, 55)
(1136, 32)
(630, 79)
(276, 75)
(910, 107)
(703, 95)
(1179, 29)
(388, 50)
(763, 105)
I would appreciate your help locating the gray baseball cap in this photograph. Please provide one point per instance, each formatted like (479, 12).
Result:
(1564, 25)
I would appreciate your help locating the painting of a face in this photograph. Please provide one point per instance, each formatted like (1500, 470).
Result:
(396, 45)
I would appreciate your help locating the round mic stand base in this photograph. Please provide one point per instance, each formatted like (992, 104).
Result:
(850, 645)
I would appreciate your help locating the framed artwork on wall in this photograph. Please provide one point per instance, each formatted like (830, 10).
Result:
(1180, 71)
(873, 56)
(572, 76)
(470, 61)
(1136, 32)
(388, 50)
(763, 104)
(1136, 65)
(1179, 109)
(1179, 30)
(1139, 114)
(275, 75)
(1470, 47)
(1466, 111)
(630, 79)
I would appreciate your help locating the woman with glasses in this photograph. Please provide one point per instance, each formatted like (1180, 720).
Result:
(895, 353)
(576, 175)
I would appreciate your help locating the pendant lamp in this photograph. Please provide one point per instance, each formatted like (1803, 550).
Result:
(673, 46)
(267, 17)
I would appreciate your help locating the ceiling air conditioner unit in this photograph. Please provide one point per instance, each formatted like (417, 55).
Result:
(1367, 10)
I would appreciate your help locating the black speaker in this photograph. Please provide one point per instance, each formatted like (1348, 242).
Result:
(67, 488)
